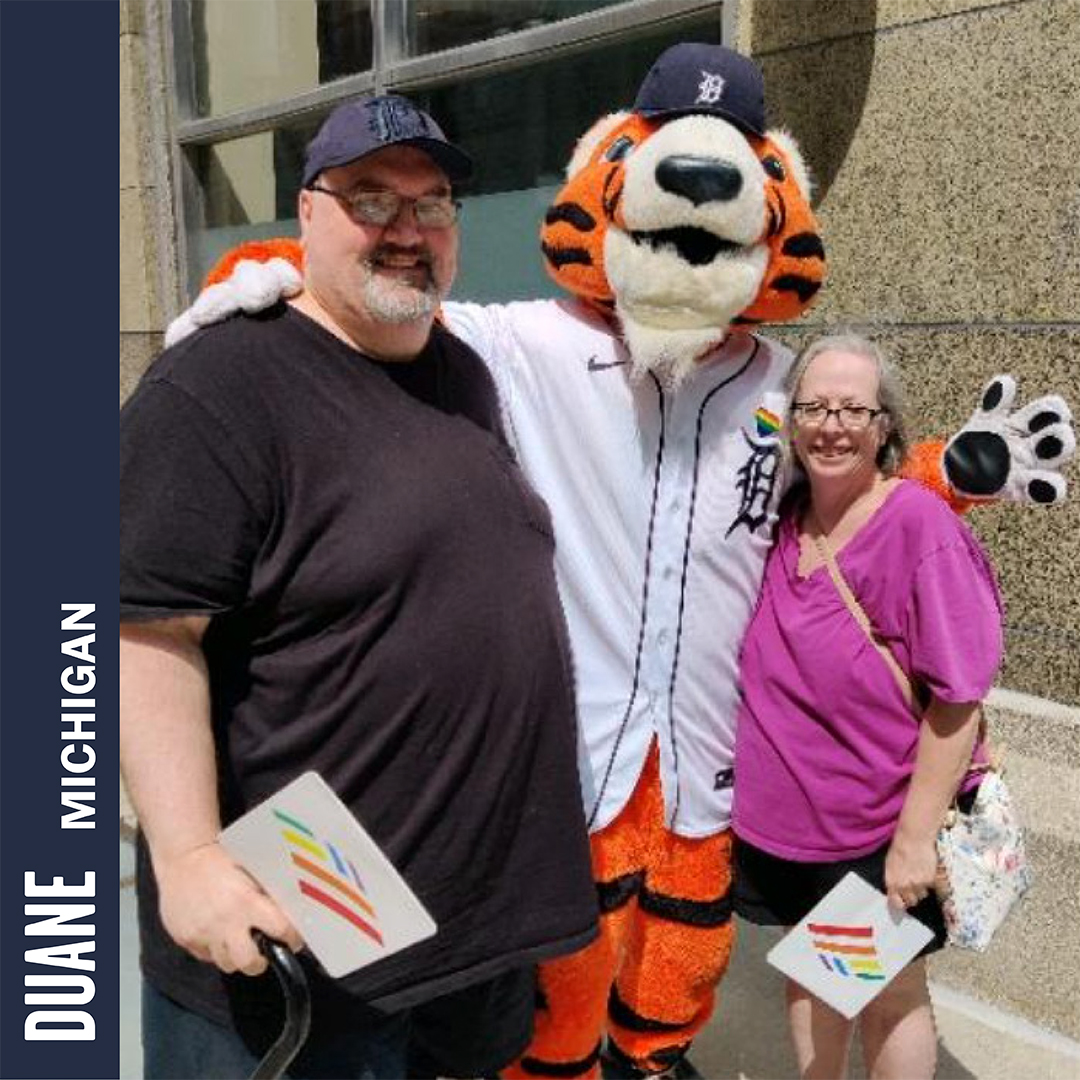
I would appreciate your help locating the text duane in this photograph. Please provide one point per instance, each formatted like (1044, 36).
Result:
(60, 917)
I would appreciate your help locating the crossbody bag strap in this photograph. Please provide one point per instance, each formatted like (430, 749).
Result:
(856, 609)
(906, 687)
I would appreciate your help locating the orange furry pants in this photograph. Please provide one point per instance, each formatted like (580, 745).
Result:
(665, 940)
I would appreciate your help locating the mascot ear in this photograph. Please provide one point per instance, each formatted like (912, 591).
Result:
(589, 141)
(784, 142)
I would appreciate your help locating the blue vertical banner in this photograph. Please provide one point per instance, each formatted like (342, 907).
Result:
(59, 897)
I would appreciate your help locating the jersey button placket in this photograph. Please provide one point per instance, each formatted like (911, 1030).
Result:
(669, 536)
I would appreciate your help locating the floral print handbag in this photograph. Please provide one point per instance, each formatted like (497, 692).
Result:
(983, 868)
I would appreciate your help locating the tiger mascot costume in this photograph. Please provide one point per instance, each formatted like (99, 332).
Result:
(647, 412)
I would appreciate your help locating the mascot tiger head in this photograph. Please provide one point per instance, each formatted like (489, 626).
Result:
(683, 216)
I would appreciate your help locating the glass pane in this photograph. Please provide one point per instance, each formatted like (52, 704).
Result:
(250, 52)
(520, 127)
(432, 25)
(344, 33)
(247, 191)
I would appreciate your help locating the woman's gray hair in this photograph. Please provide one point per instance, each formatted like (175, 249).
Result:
(890, 395)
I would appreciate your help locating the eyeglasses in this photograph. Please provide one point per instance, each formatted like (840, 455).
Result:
(383, 207)
(853, 417)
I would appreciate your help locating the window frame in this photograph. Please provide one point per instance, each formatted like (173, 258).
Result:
(393, 71)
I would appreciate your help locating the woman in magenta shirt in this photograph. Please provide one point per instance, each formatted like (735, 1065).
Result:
(833, 770)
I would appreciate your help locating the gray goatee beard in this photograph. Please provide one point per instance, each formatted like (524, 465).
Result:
(393, 301)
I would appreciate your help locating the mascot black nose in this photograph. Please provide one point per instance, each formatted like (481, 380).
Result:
(699, 179)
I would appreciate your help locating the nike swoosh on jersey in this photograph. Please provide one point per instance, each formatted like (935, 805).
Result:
(595, 365)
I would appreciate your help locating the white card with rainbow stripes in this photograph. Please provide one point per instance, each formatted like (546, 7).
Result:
(849, 948)
(306, 849)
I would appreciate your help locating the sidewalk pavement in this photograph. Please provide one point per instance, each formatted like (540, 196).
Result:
(746, 1040)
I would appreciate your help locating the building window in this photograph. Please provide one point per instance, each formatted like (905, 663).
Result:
(434, 25)
(344, 35)
(252, 52)
(520, 120)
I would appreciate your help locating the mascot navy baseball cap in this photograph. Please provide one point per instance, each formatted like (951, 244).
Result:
(361, 127)
(698, 78)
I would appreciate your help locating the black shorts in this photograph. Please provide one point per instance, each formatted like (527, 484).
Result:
(771, 891)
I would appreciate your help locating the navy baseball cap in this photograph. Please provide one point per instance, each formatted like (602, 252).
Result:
(696, 78)
(371, 123)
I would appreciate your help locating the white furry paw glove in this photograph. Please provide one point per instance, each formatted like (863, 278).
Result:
(252, 286)
(1002, 454)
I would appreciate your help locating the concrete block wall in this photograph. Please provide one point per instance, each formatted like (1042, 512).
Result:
(1031, 966)
(148, 275)
(939, 133)
(149, 281)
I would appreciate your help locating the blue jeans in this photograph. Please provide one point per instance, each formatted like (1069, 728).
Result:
(179, 1044)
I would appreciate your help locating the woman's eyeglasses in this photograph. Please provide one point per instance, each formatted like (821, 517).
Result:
(852, 417)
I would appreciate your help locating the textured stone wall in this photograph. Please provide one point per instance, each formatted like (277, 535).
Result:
(942, 135)
(939, 134)
(148, 276)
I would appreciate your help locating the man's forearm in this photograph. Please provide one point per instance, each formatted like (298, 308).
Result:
(167, 751)
(208, 904)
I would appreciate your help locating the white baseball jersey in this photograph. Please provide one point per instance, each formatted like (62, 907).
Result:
(664, 506)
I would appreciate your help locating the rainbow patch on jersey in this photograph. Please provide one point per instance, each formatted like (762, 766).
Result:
(768, 423)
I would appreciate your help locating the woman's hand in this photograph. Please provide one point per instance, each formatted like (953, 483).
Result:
(910, 870)
(946, 737)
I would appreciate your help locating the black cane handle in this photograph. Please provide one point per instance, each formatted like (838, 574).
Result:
(294, 986)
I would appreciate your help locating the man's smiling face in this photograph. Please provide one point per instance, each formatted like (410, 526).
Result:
(396, 273)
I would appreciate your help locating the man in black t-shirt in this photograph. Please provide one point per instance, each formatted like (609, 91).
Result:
(330, 561)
